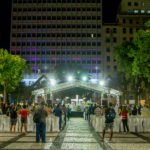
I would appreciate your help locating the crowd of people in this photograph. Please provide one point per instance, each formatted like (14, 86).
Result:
(111, 111)
(13, 111)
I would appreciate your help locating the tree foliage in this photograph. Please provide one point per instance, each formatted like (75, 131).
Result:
(123, 59)
(11, 71)
(133, 58)
(141, 56)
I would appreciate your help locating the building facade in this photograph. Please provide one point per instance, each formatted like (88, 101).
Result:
(47, 33)
(132, 15)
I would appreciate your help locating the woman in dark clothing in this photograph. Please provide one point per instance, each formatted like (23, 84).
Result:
(13, 119)
(134, 111)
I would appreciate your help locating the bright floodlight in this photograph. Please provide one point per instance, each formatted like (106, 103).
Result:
(84, 78)
(53, 82)
(70, 78)
(101, 83)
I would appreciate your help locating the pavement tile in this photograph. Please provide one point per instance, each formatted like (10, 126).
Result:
(81, 146)
(4, 139)
(25, 146)
(79, 139)
(127, 146)
(32, 139)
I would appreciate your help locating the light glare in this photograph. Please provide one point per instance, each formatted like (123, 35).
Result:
(53, 82)
(84, 78)
(101, 83)
(70, 78)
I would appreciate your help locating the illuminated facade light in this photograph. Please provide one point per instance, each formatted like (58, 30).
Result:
(53, 82)
(70, 78)
(84, 78)
(101, 82)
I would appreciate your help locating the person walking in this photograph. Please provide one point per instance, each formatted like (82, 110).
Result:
(125, 119)
(13, 119)
(58, 113)
(110, 115)
(24, 113)
(42, 113)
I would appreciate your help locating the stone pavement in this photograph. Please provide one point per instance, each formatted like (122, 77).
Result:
(77, 135)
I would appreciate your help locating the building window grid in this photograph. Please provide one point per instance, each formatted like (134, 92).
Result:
(29, 44)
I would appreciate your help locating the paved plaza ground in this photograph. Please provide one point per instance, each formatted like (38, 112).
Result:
(77, 135)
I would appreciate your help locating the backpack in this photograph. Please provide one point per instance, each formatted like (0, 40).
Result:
(37, 117)
(111, 115)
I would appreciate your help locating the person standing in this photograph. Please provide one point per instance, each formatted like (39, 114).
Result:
(24, 113)
(68, 112)
(41, 124)
(125, 119)
(93, 108)
(48, 109)
(110, 115)
(13, 119)
(134, 111)
(98, 111)
(64, 110)
(90, 109)
(58, 113)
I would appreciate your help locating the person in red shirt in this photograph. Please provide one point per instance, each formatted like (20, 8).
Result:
(24, 113)
(125, 119)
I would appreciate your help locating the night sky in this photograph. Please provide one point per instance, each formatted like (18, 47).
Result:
(109, 12)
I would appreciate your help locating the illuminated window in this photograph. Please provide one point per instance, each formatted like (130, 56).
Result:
(136, 11)
(142, 11)
(148, 11)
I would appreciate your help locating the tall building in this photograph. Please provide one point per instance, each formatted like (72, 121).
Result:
(132, 15)
(47, 33)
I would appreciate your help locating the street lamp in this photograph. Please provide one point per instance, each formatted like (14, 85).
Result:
(101, 82)
(70, 78)
(53, 82)
(84, 78)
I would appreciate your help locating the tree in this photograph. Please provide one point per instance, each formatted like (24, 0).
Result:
(141, 55)
(11, 71)
(133, 59)
(123, 59)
